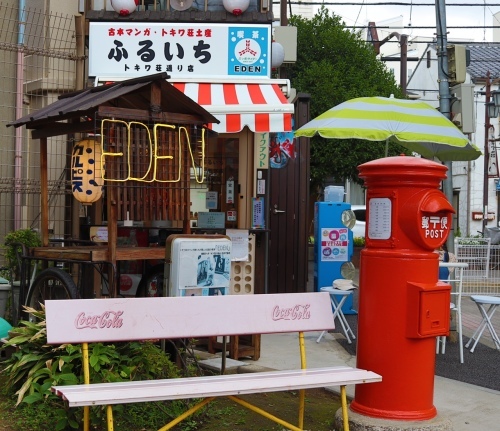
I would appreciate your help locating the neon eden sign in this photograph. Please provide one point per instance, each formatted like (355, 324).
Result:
(156, 163)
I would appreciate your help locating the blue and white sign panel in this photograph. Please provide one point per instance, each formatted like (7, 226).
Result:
(183, 50)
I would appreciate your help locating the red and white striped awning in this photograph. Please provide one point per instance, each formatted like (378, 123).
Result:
(262, 106)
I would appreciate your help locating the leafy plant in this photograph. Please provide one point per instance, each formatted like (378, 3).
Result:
(11, 246)
(358, 241)
(35, 366)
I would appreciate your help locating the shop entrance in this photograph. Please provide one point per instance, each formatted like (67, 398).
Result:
(226, 182)
(288, 214)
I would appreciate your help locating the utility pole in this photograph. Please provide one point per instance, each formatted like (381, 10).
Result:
(487, 125)
(444, 93)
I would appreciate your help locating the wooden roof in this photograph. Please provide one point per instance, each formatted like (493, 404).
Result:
(148, 98)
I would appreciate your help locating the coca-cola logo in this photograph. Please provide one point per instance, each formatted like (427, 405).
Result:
(108, 319)
(297, 312)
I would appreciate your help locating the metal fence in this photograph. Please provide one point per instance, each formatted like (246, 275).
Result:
(482, 277)
(37, 64)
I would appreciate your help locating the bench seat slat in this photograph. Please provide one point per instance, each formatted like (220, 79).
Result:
(200, 387)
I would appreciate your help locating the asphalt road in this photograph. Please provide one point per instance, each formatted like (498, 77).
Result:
(481, 368)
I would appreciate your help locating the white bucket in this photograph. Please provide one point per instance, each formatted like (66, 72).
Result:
(334, 194)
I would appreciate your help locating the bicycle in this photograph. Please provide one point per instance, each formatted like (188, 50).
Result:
(52, 282)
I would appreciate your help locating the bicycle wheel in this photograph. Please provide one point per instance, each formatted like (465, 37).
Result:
(51, 283)
(151, 284)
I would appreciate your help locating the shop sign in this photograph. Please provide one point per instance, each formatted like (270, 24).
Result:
(211, 220)
(258, 220)
(261, 155)
(334, 244)
(183, 50)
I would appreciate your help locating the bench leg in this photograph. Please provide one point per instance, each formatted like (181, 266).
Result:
(343, 400)
(264, 413)
(186, 414)
(86, 380)
(302, 407)
(109, 417)
(86, 418)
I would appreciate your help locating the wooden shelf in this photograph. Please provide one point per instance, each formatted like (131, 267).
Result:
(239, 346)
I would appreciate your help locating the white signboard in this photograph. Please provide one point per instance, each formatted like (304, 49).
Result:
(183, 50)
(240, 244)
(380, 223)
(200, 267)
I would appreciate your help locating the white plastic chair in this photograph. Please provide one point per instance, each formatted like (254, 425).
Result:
(456, 280)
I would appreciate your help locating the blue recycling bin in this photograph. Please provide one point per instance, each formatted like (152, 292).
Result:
(333, 246)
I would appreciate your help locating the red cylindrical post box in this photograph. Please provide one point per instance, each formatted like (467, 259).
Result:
(402, 306)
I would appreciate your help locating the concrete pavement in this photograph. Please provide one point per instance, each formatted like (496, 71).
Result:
(468, 407)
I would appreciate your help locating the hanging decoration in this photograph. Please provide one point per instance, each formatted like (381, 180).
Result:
(236, 7)
(277, 55)
(86, 172)
(124, 7)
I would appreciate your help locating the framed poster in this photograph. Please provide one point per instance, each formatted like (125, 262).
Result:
(200, 267)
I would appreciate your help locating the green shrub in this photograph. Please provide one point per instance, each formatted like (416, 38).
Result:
(28, 237)
(35, 366)
(359, 241)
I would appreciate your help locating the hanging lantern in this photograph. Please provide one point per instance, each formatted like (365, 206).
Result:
(124, 7)
(236, 7)
(86, 175)
(277, 55)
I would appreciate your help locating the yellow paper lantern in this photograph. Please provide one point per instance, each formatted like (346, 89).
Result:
(86, 175)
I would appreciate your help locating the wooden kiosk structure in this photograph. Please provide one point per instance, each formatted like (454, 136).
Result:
(152, 135)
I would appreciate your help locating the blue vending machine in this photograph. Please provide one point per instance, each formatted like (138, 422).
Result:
(333, 247)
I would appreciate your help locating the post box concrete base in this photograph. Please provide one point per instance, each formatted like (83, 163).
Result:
(359, 422)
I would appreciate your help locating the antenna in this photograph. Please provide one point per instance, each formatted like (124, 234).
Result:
(181, 4)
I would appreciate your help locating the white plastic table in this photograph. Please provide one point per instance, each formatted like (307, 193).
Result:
(482, 301)
(337, 311)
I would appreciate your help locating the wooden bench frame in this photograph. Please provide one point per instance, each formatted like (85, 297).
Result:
(111, 320)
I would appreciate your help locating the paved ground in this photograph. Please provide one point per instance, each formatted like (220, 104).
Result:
(470, 407)
(471, 316)
(480, 368)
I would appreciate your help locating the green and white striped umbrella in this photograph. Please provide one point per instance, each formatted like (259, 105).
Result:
(413, 124)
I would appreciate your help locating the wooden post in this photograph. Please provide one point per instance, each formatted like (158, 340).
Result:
(44, 193)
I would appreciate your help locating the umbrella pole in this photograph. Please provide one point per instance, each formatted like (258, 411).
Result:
(386, 147)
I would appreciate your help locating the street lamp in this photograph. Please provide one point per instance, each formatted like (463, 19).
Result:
(495, 95)
(492, 109)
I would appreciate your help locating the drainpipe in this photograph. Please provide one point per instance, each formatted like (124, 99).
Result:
(19, 114)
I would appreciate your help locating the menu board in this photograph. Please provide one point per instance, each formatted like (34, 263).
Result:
(380, 221)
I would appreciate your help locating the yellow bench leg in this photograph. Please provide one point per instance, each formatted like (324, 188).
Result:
(186, 414)
(86, 380)
(109, 416)
(264, 413)
(343, 400)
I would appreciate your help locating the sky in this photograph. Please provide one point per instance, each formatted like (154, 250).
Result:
(422, 13)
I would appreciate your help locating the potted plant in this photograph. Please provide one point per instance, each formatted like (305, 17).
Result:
(13, 248)
(13, 243)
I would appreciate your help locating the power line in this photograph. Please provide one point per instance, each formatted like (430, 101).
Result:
(388, 4)
(422, 27)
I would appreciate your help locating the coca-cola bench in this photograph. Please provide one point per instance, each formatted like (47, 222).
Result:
(110, 320)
